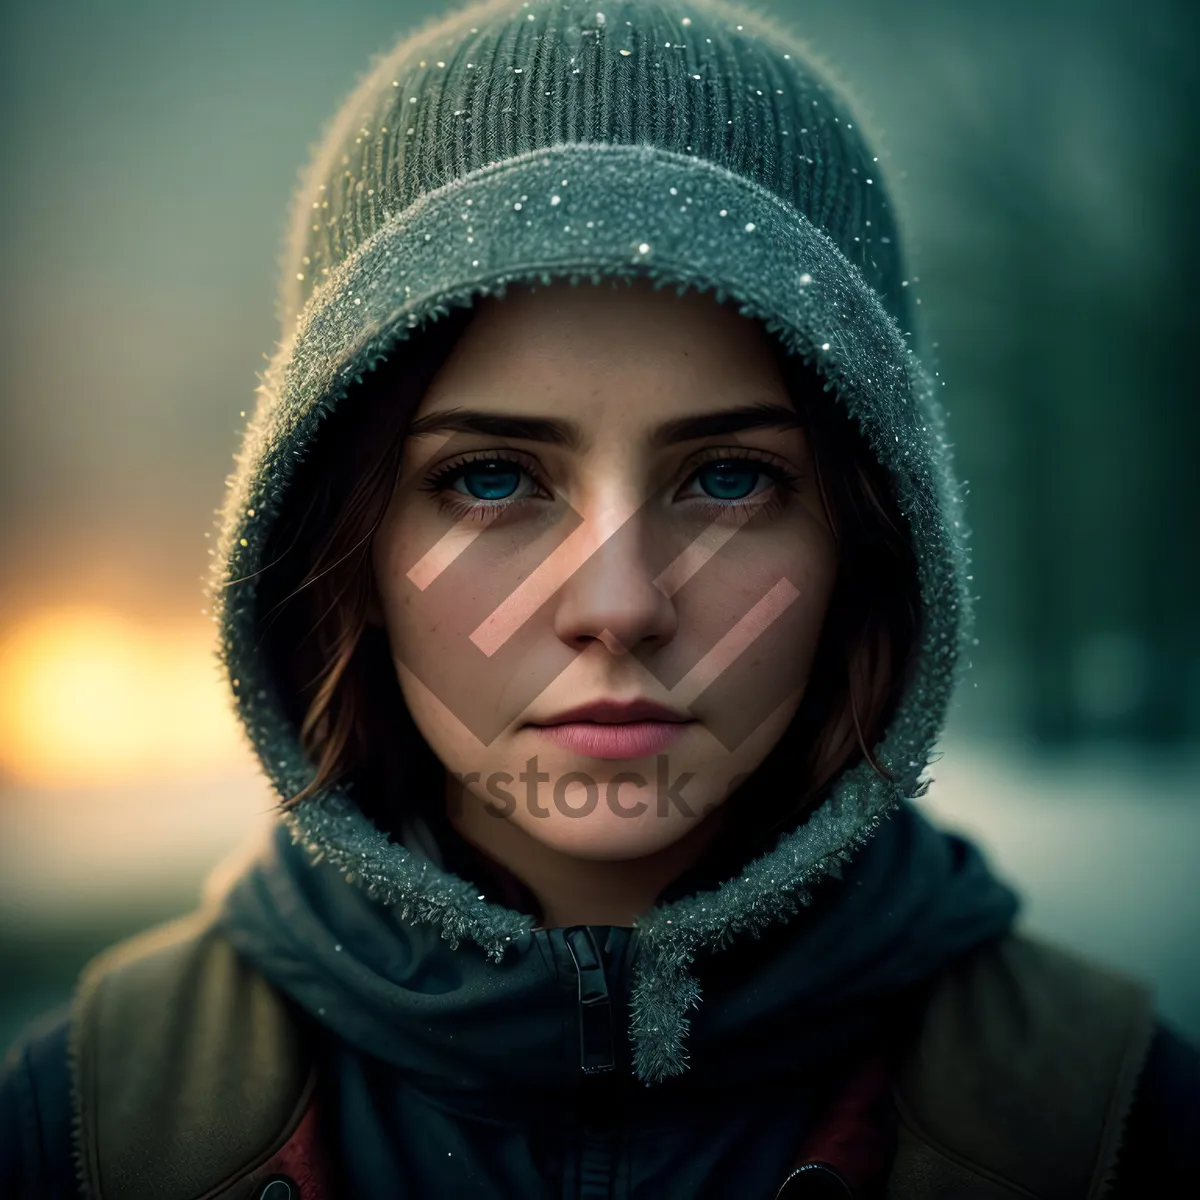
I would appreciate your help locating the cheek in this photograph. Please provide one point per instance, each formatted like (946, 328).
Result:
(450, 601)
(754, 627)
(428, 628)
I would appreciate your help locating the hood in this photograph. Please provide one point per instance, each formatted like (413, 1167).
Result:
(777, 1008)
(698, 145)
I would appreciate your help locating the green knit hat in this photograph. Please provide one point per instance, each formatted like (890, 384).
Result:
(686, 140)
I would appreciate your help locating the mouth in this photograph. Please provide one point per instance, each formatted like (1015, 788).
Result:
(629, 729)
(617, 712)
(624, 739)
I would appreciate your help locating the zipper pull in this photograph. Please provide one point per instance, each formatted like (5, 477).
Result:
(597, 1044)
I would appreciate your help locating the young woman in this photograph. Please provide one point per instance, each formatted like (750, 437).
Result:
(592, 587)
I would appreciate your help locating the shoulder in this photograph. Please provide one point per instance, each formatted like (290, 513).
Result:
(1023, 1068)
(175, 1050)
(178, 992)
(187, 1055)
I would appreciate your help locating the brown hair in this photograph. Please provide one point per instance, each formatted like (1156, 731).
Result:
(335, 668)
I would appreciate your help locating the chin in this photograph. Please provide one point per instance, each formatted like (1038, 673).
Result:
(605, 837)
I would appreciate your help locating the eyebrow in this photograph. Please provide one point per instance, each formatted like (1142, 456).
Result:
(559, 432)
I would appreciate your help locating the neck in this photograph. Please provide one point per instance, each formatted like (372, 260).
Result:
(579, 891)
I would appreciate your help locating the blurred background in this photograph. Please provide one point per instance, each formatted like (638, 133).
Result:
(1043, 153)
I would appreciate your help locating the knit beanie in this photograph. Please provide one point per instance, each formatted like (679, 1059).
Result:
(690, 141)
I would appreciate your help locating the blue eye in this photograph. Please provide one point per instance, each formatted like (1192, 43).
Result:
(495, 480)
(484, 489)
(728, 480)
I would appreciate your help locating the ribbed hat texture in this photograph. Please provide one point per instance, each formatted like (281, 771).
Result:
(689, 141)
(499, 81)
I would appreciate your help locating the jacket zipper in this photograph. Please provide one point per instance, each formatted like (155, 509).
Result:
(598, 1064)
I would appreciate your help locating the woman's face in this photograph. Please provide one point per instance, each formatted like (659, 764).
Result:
(605, 497)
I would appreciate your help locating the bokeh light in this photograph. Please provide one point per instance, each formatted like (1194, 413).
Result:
(90, 696)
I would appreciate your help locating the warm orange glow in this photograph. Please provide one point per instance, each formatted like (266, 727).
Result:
(89, 696)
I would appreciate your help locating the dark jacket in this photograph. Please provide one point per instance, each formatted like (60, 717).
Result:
(442, 1074)
(1158, 1154)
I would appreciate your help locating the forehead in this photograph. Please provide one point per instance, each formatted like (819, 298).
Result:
(599, 348)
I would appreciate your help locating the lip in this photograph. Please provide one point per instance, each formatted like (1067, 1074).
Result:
(617, 712)
(623, 739)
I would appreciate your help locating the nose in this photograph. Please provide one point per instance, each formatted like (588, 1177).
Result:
(611, 596)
